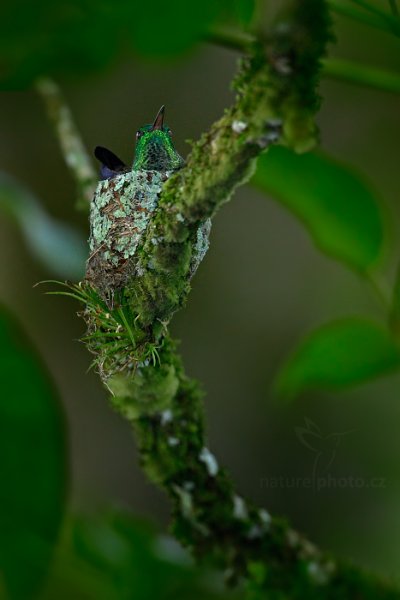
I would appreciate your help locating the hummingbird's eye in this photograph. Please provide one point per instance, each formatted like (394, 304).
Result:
(139, 134)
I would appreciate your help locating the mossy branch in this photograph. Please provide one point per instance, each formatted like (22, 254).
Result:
(72, 146)
(332, 68)
(139, 363)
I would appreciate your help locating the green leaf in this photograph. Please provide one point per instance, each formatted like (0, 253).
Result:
(58, 246)
(338, 208)
(244, 10)
(80, 36)
(117, 557)
(174, 27)
(337, 355)
(32, 464)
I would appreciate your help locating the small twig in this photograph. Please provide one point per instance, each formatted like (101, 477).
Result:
(333, 68)
(394, 8)
(366, 14)
(351, 72)
(70, 140)
(233, 40)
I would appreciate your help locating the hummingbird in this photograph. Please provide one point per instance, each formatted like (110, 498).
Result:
(154, 151)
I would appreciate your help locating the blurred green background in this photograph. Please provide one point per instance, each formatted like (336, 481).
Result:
(261, 288)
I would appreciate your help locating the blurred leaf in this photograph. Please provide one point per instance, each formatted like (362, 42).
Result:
(169, 28)
(138, 559)
(78, 36)
(244, 10)
(162, 29)
(117, 557)
(339, 210)
(337, 355)
(32, 464)
(45, 37)
(58, 246)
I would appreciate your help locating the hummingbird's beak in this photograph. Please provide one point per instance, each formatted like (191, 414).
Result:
(159, 120)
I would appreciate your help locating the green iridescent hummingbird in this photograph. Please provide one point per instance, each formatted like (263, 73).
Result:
(123, 204)
(154, 151)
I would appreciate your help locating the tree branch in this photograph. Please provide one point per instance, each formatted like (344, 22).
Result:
(333, 68)
(351, 72)
(69, 138)
(139, 364)
(367, 14)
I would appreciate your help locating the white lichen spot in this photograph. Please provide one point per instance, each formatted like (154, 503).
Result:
(265, 517)
(239, 126)
(166, 417)
(318, 573)
(188, 485)
(201, 245)
(210, 461)
(154, 241)
(239, 508)
(173, 441)
(179, 217)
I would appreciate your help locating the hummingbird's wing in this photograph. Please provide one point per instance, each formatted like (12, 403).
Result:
(111, 165)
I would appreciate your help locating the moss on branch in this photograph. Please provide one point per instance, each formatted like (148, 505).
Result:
(139, 363)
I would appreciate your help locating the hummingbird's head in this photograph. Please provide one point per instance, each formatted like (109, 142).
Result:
(154, 148)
